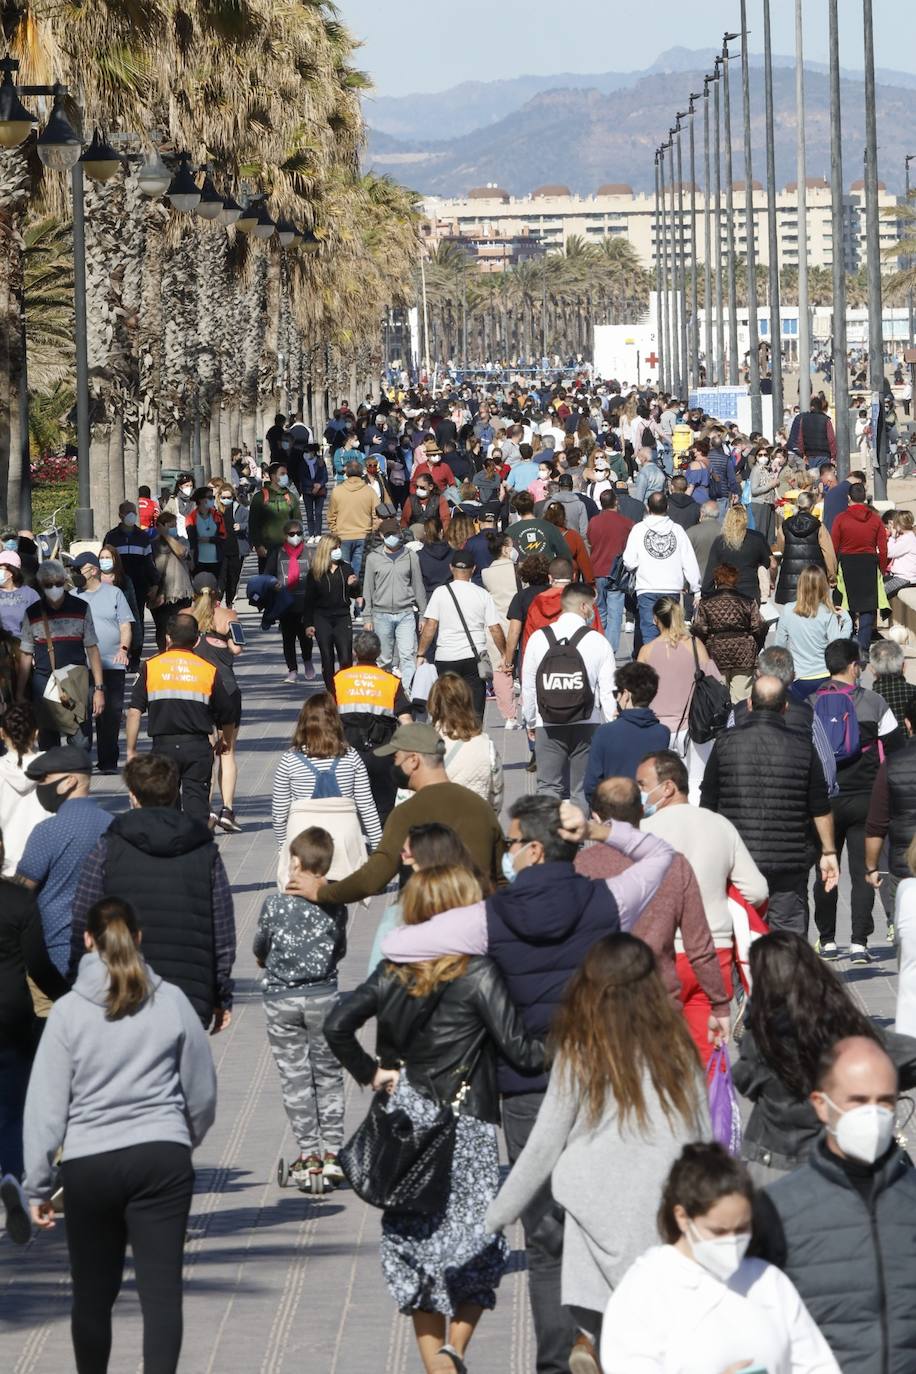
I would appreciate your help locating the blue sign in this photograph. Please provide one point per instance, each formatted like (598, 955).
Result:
(718, 401)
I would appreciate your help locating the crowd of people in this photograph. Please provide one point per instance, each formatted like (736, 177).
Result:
(691, 630)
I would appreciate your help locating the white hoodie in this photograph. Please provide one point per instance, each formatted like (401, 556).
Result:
(20, 809)
(663, 557)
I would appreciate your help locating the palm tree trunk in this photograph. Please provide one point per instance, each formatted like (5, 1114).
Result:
(219, 453)
(117, 477)
(13, 201)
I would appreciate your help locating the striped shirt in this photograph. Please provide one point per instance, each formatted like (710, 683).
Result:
(295, 781)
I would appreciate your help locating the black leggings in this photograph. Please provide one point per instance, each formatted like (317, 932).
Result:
(334, 636)
(140, 1195)
(292, 629)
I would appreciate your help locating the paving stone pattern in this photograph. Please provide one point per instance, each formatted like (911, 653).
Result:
(277, 1282)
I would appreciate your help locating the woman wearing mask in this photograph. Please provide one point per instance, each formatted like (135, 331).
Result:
(218, 647)
(671, 654)
(502, 581)
(427, 846)
(20, 809)
(288, 566)
(901, 552)
(555, 514)
(206, 533)
(234, 546)
(744, 549)
(173, 591)
(798, 1009)
(330, 585)
(625, 1093)
(470, 755)
(733, 630)
(806, 626)
(547, 473)
(434, 557)
(442, 1023)
(315, 490)
(696, 1304)
(114, 627)
(112, 574)
(763, 496)
(124, 1084)
(15, 596)
(181, 501)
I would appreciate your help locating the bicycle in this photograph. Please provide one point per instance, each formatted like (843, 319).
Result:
(48, 541)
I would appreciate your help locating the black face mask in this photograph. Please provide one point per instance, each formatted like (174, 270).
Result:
(49, 797)
(401, 779)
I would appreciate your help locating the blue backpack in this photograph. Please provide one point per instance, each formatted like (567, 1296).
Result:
(835, 709)
(326, 784)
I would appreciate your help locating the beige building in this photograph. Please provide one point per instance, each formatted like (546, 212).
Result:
(552, 215)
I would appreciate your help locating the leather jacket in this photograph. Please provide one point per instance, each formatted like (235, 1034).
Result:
(473, 1018)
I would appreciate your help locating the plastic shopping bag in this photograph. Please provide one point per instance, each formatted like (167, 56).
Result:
(723, 1102)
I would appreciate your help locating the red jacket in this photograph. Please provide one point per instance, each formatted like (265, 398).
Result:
(607, 535)
(544, 610)
(860, 530)
(440, 474)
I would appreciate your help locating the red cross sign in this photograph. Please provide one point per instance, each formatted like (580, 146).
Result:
(651, 360)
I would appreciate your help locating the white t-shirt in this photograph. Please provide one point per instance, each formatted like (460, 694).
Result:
(479, 612)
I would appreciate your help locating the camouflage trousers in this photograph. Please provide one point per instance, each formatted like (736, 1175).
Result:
(311, 1077)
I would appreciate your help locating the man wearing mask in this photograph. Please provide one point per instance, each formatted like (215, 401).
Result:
(429, 464)
(135, 549)
(538, 930)
(58, 847)
(842, 1226)
(112, 621)
(392, 586)
(57, 634)
(270, 511)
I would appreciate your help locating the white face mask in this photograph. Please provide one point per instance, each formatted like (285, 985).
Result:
(294, 539)
(513, 554)
(55, 594)
(720, 1256)
(186, 491)
(863, 1133)
(337, 555)
(4, 576)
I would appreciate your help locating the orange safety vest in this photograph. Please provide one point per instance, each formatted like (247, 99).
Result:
(179, 675)
(364, 687)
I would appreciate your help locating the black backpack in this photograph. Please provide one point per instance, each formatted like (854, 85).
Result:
(564, 694)
(709, 705)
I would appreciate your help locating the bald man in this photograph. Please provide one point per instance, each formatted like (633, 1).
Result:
(843, 1226)
(768, 781)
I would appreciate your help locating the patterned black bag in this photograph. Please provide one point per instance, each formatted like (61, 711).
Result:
(391, 1163)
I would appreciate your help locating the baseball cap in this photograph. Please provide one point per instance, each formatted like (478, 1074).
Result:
(9, 559)
(83, 560)
(490, 512)
(205, 582)
(462, 559)
(415, 738)
(65, 758)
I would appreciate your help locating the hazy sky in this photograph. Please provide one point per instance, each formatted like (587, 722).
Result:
(429, 45)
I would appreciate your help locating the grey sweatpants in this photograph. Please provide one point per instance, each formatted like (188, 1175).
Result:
(562, 756)
(312, 1079)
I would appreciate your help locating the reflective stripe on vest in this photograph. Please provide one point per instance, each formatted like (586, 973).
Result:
(178, 675)
(366, 688)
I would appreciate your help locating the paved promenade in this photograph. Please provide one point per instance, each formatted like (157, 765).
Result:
(276, 1282)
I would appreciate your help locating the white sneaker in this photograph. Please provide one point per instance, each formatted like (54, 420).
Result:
(859, 954)
(291, 677)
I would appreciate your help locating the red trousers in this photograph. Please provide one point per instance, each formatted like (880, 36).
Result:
(697, 1006)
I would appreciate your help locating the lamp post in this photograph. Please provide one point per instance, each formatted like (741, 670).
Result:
(730, 221)
(658, 281)
(772, 232)
(873, 251)
(711, 373)
(667, 346)
(683, 384)
(750, 228)
(675, 294)
(694, 305)
(717, 222)
(911, 319)
(801, 174)
(840, 361)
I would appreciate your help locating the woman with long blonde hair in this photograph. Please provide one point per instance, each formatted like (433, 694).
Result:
(806, 626)
(675, 655)
(123, 1081)
(625, 1094)
(330, 585)
(741, 548)
(441, 1024)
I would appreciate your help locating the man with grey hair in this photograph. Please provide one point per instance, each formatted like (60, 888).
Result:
(886, 660)
(705, 533)
(58, 638)
(650, 476)
(351, 513)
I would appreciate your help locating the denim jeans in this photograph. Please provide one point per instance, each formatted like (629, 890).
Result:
(352, 550)
(610, 609)
(645, 601)
(397, 627)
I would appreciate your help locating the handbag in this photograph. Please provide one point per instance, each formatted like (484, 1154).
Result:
(392, 1163)
(708, 707)
(484, 666)
(724, 1112)
(65, 703)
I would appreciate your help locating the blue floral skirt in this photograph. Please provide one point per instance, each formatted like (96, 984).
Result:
(438, 1262)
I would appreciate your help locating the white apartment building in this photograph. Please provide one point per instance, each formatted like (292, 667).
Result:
(552, 215)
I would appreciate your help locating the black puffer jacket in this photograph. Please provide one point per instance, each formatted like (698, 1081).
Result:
(783, 1128)
(473, 1019)
(768, 781)
(845, 1234)
(801, 548)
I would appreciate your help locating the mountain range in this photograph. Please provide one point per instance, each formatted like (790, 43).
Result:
(583, 130)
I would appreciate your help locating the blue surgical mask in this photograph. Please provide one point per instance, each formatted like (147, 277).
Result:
(509, 871)
(392, 541)
(337, 555)
(130, 519)
(648, 808)
(11, 545)
(283, 480)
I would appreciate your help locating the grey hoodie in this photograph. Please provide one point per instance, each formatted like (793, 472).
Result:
(576, 514)
(392, 584)
(99, 1085)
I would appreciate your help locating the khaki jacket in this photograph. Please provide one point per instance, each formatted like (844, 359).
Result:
(351, 511)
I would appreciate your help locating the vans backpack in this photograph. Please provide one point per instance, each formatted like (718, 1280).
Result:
(326, 784)
(835, 709)
(564, 694)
